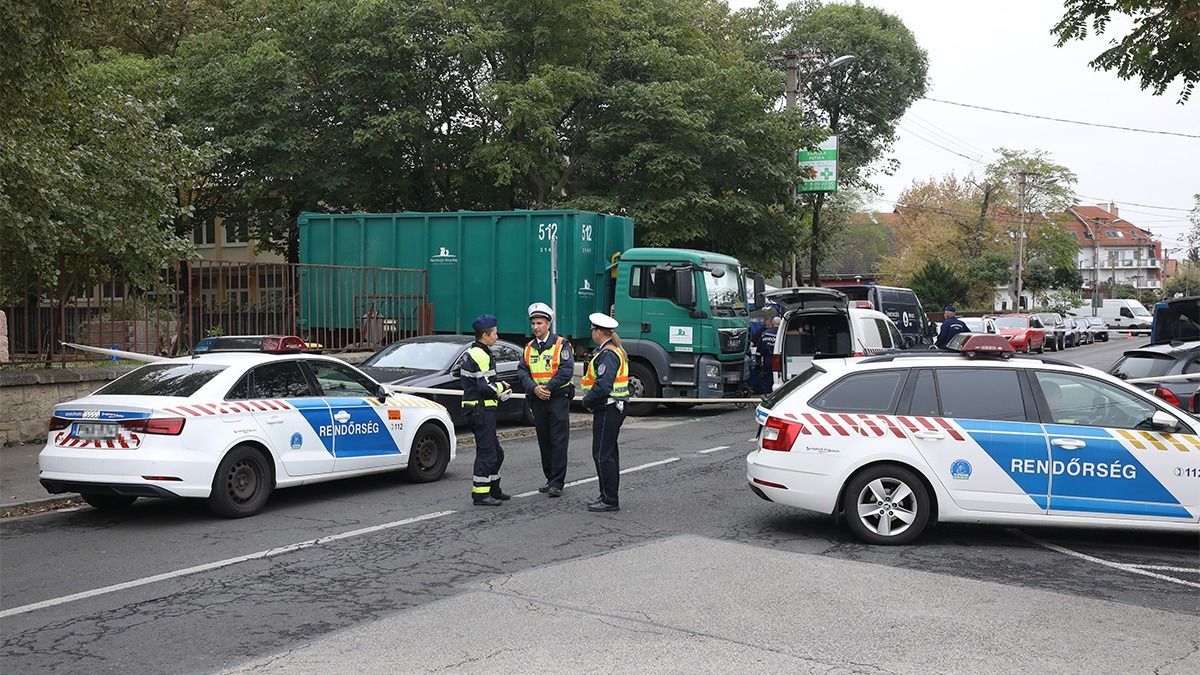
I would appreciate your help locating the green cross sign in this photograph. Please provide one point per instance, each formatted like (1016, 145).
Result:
(820, 167)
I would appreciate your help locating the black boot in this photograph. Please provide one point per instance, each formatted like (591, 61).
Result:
(485, 500)
(497, 493)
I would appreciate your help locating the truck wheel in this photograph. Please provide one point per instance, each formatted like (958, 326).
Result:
(886, 504)
(641, 385)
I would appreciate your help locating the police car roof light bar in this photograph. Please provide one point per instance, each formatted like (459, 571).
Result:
(973, 346)
(282, 344)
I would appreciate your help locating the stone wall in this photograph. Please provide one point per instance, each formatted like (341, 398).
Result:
(28, 397)
(3, 336)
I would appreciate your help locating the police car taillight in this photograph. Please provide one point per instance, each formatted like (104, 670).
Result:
(283, 344)
(162, 426)
(779, 434)
(59, 423)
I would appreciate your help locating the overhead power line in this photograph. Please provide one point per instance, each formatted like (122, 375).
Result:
(1066, 121)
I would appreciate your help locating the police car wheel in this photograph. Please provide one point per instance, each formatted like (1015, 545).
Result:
(108, 502)
(886, 504)
(429, 456)
(241, 485)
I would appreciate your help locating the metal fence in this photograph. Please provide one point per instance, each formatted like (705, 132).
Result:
(341, 308)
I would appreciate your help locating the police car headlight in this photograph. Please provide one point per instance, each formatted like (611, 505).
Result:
(712, 371)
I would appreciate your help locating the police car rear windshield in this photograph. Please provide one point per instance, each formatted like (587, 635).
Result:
(162, 379)
(791, 385)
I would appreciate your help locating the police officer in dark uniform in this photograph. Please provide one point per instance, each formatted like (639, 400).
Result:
(766, 353)
(951, 326)
(545, 372)
(606, 388)
(481, 396)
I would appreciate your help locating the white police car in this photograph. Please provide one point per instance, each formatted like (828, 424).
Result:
(231, 427)
(896, 442)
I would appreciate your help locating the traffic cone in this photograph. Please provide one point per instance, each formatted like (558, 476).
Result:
(1129, 335)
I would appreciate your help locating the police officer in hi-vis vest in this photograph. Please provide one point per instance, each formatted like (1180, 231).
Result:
(481, 395)
(606, 388)
(545, 372)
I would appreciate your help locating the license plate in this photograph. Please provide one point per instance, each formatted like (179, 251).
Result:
(95, 430)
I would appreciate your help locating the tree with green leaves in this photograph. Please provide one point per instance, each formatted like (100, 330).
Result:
(862, 102)
(1162, 48)
(937, 285)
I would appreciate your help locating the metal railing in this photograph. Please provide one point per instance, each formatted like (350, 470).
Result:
(341, 308)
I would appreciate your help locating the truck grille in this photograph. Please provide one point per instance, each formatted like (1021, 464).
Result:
(733, 340)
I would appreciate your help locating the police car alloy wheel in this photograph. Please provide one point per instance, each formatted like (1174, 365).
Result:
(242, 484)
(886, 505)
(107, 502)
(430, 455)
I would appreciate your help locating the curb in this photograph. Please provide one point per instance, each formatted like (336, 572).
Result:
(27, 507)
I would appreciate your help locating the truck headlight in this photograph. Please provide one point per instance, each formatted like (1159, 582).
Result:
(712, 371)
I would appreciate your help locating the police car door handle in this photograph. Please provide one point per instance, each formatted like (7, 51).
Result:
(1068, 443)
(928, 435)
(275, 419)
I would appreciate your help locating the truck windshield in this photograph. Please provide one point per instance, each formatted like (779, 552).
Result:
(726, 295)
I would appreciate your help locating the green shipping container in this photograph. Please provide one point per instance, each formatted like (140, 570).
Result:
(478, 262)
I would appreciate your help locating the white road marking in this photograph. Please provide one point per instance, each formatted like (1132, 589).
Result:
(216, 565)
(753, 440)
(527, 494)
(596, 478)
(1168, 568)
(719, 447)
(1135, 569)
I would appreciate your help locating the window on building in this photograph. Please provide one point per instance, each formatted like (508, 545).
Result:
(1115, 234)
(237, 233)
(205, 233)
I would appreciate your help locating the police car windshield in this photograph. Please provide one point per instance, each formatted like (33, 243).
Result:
(416, 355)
(162, 379)
(726, 295)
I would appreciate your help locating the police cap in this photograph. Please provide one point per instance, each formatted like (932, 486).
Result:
(483, 323)
(541, 309)
(603, 321)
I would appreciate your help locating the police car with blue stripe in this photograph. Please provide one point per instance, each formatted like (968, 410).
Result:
(231, 427)
(894, 443)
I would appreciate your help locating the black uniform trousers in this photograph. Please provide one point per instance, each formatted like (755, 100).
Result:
(552, 420)
(606, 426)
(488, 453)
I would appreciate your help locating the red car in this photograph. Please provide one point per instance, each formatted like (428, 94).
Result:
(1024, 332)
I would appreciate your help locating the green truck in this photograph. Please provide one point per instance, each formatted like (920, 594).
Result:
(683, 313)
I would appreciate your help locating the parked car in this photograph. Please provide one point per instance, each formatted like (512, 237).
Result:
(898, 442)
(824, 323)
(1179, 358)
(1070, 332)
(981, 324)
(232, 427)
(1097, 328)
(432, 361)
(1083, 332)
(1056, 333)
(1024, 332)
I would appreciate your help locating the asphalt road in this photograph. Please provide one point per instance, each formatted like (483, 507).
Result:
(412, 577)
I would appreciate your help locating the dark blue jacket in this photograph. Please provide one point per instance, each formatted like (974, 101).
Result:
(950, 328)
(477, 387)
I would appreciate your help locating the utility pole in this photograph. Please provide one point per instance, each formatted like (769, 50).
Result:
(1096, 302)
(1021, 181)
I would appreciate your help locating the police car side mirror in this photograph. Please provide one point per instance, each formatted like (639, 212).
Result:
(1162, 421)
(381, 392)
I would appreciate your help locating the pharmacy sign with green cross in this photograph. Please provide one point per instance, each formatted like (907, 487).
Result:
(820, 167)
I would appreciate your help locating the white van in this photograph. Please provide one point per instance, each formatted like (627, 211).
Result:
(1118, 313)
(824, 323)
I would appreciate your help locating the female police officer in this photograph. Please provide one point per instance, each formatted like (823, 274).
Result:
(606, 388)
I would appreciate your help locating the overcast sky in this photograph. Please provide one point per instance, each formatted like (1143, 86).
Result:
(1000, 54)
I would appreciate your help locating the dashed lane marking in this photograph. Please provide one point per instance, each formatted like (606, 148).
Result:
(596, 478)
(216, 565)
(1135, 569)
(1168, 568)
(719, 447)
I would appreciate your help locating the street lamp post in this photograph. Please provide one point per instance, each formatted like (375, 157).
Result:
(793, 99)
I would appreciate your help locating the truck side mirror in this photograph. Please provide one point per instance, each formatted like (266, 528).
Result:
(685, 288)
(760, 290)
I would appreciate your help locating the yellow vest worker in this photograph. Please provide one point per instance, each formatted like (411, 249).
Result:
(481, 396)
(606, 388)
(545, 371)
